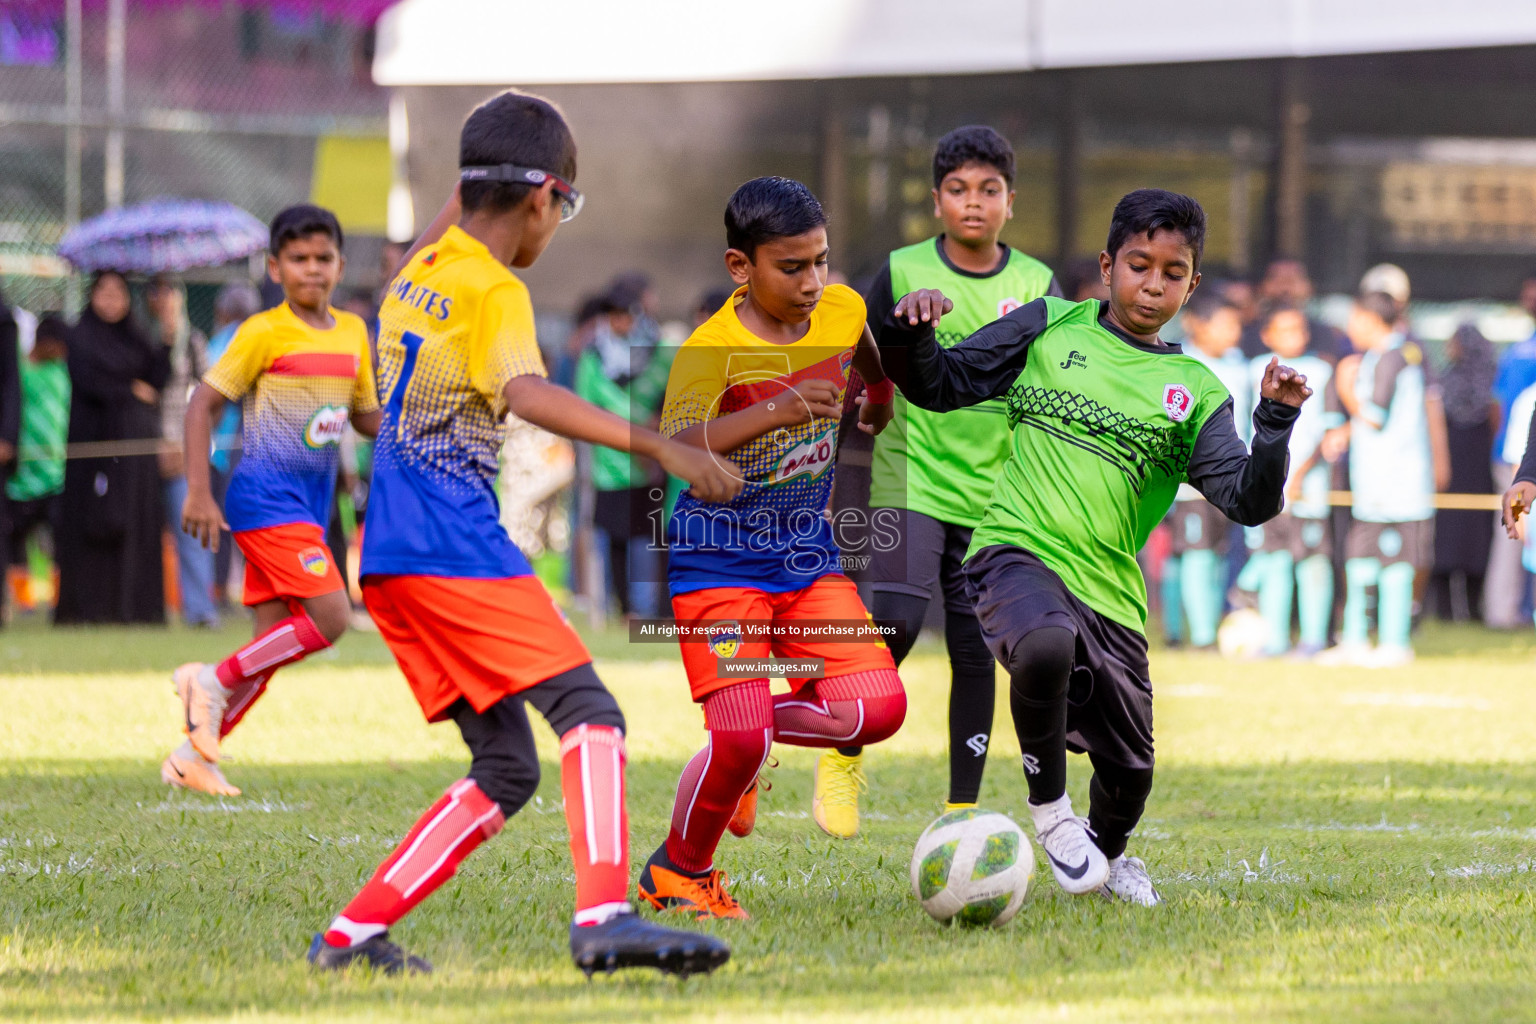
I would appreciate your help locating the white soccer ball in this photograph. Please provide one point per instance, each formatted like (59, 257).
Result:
(1242, 635)
(974, 867)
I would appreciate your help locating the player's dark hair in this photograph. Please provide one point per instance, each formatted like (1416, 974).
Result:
(973, 144)
(513, 128)
(1205, 304)
(1150, 210)
(52, 327)
(767, 208)
(1380, 305)
(301, 221)
(1277, 309)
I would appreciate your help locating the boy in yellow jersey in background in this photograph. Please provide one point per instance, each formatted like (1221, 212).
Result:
(763, 381)
(303, 370)
(472, 628)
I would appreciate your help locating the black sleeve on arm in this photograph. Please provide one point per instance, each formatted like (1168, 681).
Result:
(982, 366)
(1249, 488)
(879, 301)
(1527, 470)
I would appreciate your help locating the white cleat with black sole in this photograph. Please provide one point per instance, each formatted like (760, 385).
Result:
(1129, 882)
(1079, 865)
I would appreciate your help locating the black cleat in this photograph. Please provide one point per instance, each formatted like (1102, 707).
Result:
(377, 952)
(627, 940)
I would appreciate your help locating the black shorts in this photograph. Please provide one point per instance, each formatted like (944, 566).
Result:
(1109, 698)
(1199, 526)
(1392, 543)
(1301, 538)
(927, 551)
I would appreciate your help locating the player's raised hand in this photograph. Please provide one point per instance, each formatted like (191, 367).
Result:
(201, 518)
(926, 305)
(808, 400)
(711, 477)
(1517, 501)
(1284, 384)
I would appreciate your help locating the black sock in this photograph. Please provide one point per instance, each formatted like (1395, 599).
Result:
(1116, 798)
(972, 698)
(1039, 669)
(905, 614)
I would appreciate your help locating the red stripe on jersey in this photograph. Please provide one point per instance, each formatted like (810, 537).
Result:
(740, 396)
(315, 364)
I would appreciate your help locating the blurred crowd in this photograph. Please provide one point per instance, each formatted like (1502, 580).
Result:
(93, 463)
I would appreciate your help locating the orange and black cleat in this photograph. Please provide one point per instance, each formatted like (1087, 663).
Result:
(667, 887)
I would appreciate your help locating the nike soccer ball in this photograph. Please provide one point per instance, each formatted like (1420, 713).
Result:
(974, 867)
(1242, 635)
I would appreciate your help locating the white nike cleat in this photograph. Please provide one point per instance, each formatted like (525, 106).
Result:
(1129, 882)
(1080, 867)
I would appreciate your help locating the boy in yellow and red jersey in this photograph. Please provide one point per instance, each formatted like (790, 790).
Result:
(763, 381)
(303, 370)
(473, 630)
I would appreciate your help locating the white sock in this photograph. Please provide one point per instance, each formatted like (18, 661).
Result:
(602, 913)
(355, 932)
(1046, 815)
(208, 679)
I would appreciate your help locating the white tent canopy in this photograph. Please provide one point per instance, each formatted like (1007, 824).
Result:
(496, 42)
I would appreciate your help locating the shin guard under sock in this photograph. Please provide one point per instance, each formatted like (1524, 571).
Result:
(1200, 576)
(1394, 605)
(294, 638)
(1040, 668)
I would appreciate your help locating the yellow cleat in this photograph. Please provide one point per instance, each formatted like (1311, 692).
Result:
(191, 771)
(835, 797)
(203, 711)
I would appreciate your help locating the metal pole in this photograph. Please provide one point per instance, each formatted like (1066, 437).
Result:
(72, 103)
(117, 32)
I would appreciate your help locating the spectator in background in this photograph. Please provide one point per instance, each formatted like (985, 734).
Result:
(32, 493)
(111, 514)
(188, 348)
(1462, 536)
(1287, 283)
(1082, 280)
(10, 408)
(234, 303)
(1506, 582)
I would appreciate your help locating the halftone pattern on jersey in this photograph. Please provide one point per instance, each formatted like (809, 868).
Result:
(774, 535)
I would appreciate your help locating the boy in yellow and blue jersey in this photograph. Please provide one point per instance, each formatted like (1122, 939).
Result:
(304, 372)
(477, 636)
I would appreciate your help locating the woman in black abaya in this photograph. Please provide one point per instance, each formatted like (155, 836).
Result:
(109, 540)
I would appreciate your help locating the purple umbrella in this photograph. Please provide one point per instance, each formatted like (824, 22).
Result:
(164, 235)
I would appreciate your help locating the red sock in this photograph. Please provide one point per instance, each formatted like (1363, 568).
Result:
(240, 701)
(294, 638)
(592, 782)
(461, 820)
(841, 711)
(740, 723)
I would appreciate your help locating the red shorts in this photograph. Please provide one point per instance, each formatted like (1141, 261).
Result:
(831, 597)
(479, 639)
(286, 563)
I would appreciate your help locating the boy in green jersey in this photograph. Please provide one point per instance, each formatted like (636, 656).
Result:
(1108, 421)
(932, 473)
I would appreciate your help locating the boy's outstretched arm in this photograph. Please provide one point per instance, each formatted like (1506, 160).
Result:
(1249, 487)
(555, 409)
(875, 406)
(983, 366)
(1522, 490)
(810, 399)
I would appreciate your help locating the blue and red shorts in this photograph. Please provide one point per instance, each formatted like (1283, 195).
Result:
(287, 563)
(832, 597)
(476, 639)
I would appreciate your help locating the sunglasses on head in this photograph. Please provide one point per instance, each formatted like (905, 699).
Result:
(570, 200)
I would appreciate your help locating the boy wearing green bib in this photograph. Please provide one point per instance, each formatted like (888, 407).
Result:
(1107, 421)
(932, 473)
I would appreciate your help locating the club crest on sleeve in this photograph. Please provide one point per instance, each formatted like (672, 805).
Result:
(1178, 403)
(314, 561)
(724, 638)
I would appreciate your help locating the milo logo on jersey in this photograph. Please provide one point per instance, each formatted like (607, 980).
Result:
(326, 427)
(809, 458)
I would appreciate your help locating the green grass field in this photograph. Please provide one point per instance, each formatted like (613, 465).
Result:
(1333, 845)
